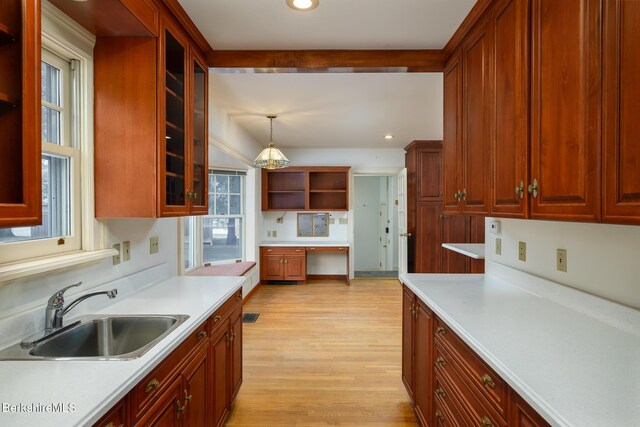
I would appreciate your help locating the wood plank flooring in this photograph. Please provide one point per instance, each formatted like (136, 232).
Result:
(324, 354)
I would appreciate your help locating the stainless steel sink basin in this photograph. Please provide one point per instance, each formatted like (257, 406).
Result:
(101, 338)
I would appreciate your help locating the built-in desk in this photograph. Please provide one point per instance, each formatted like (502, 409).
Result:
(288, 260)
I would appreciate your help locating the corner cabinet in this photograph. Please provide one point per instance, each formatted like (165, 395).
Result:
(319, 188)
(21, 148)
(156, 89)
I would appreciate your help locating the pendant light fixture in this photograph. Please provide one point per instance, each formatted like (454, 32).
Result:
(271, 157)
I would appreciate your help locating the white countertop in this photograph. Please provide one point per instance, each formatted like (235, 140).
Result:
(305, 243)
(573, 368)
(472, 250)
(94, 387)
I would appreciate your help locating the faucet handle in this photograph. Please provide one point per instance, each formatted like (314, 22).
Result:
(57, 299)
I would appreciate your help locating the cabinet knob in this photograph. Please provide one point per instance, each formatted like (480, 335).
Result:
(217, 318)
(533, 188)
(298, 250)
(463, 195)
(486, 422)
(440, 361)
(520, 190)
(440, 392)
(202, 334)
(488, 381)
(269, 250)
(151, 385)
(439, 415)
(440, 330)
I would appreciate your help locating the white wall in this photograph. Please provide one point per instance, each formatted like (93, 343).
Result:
(26, 293)
(373, 159)
(602, 259)
(367, 199)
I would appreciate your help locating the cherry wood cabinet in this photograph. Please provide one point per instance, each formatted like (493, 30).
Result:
(621, 105)
(523, 415)
(452, 141)
(510, 141)
(283, 263)
(166, 411)
(313, 188)
(117, 416)
(454, 230)
(20, 97)
(219, 360)
(565, 109)
(408, 340)
(156, 90)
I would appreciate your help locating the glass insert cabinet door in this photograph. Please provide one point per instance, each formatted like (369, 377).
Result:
(198, 193)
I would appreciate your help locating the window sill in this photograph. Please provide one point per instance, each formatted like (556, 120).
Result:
(32, 267)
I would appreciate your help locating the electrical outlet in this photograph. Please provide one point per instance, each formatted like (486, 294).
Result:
(561, 258)
(116, 258)
(154, 245)
(274, 233)
(498, 246)
(126, 251)
(343, 221)
(268, 233)
(522, 251)
(332, 220)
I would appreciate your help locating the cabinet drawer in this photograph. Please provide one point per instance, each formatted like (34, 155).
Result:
(327, 249)
(154, 384)
(477, 409)
(282, 250)
(479, 376)
(117, 416)
(447, 403)
(218, 317)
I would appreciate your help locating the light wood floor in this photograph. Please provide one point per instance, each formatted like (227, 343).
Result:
(324, 354)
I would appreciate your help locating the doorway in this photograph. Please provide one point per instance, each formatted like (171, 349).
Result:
(375, 226)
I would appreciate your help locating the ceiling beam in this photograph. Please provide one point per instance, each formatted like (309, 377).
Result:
(329, 60)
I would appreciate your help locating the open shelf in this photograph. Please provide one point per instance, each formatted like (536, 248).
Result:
(175, 96)
(286, 200)
(287, 181)
(327, 191)
(329, 201)
(174, 82)
(327, 181)
(177, 156)
(174, 175)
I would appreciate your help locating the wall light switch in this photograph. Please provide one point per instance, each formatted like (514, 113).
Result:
(494, 227)
(522, 251)
(332, 220)
(274, 233)
(154, 245)
(116, 258)
(343, 221)
(561, 257)
(498, 246)
(126, 251)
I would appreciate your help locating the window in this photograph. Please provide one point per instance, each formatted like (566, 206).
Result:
(222, 229)
(61, 223)
(190, 256)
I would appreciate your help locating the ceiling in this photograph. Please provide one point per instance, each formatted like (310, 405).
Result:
(335, 24)
(333, 109)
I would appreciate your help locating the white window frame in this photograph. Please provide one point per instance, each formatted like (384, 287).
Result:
(67, 39)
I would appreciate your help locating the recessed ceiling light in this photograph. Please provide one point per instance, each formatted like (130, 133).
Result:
(388, 137)
(303, 4)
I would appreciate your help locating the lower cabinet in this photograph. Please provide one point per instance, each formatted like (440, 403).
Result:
(448, 383)
(283, 263)
(196, 384)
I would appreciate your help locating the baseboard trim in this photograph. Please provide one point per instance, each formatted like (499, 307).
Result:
(251, 292)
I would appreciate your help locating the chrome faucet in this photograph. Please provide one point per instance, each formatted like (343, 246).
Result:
(56, 309)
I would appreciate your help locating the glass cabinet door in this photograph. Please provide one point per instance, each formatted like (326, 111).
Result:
(175, 144)
(199, 147)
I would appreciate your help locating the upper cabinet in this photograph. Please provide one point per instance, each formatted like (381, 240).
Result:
(21, 147)
(156, 90)
(621, 130)
(565, 109)
(452, 141)
(310, 188)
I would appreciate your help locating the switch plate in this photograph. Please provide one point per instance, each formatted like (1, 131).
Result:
(274, 233)
(154, 245)
(494, 227)
(116, 258)
(126, 251)
(561, 258)
(343, 221)
(268, 233)
(332, 220)
(498, 246)
(522, 251)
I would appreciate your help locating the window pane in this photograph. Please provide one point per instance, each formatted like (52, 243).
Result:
(234, 184)
(222, 204)
(50, 125)
(222, 184)
(56, 206)
(189, 242)
(222, 239)
(234, 204)
(50, 84)
(212, 203)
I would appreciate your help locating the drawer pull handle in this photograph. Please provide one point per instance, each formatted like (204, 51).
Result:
(439, 415)
(269, 250)
(312, 249)
(440, 392)
(440, 330)
(298, 250)
(217, 318)
(440, 361)
(179, 408)
(151, 385)
(487, 380)
(340, 249)
(239, 296)
(202, 334)
(486, 422)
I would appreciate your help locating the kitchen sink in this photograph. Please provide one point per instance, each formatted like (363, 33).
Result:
(100, 338)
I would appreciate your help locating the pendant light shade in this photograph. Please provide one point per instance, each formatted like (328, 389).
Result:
(271, 157)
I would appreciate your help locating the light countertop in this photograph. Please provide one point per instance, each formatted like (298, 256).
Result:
(94, 387)
(472, 250)
(306, 243)
(574, 368)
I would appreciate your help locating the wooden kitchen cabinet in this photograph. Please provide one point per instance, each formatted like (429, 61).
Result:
(523, 415)
(452, 140)
(565, 109)
(165, 411)
(117, 416)
(156, 90)
(454, 230)
(417, 333)
(219, 356)
(283, 263)
(510, 141)
(235, 328)
(20, 98)
(621, 104)
(195, 397)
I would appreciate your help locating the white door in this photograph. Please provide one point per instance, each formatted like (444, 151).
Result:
(402, 221)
